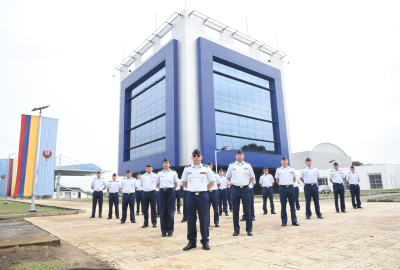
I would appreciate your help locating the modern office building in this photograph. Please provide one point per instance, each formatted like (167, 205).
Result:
(198, 83)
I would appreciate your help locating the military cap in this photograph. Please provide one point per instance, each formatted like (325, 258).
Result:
(265, 168)
(149, 166)
(196, 152)
(308, 159)
(351, 167)
(128, 171)
(114, 174)
(335, 164)
(138, 173)
(98, 172)
(165, 160)
(239, 152)
(283, 158)
(209, 163)
(224, 170)
(221, 170)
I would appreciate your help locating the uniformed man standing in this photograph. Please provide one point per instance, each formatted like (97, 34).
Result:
(149, 196)
(213, 195)
(285, 177)
(266, 182)
(113, 196)
(138, 194)
(336, 177)
(229, 193)
(128, 186)
(310, 176)
(222, 194)
(296, 193)
(198, 178)
(241, 175)
(167, 181)
(178, 196)
(353, 179)
(98, 185)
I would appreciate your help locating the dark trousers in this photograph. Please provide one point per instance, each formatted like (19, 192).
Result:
(149, 198)
(311, 191)
(339, 189)
(128, 199)
(213, 200)
(113, 199)
(178, 200)
(268, 192)
(97, 197)
(287, 193)
(244, 194)
(167, 209)
(199, 203)
(139, 202)
(355, 194)
(184, 204)
(296, 197)
(251, 191)
(229, 197)
(158, 203)
(223, 207)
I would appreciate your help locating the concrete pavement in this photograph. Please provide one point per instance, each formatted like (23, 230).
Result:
(360, 239)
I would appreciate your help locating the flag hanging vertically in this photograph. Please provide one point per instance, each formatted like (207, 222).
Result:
(26, 155)
(46, 159)
(7, 180)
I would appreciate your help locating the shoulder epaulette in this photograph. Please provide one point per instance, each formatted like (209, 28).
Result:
(172, 170)
(233, 162)
(332, 170)
(205, 166)
(305, 167)
(188, 166)
(247, 162)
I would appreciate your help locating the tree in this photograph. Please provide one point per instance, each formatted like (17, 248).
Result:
(357, 163)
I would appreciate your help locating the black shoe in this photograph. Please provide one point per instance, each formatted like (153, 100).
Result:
(254, 219)
(117, 217)
(231, 210)
(217, 225)
(220, 214)
(226, 214)
(100, 217)
(308, 217)
(92, 217)
(265, 213)
(189, 247)
(360, 207)
(145, 226)
(109, 218)
(344, 211)
(242, 219)
(133, 221)
(355, 207)
(163, 235)
(183, 220)
(206, 247)
(170, 234)
(337, 211)
(250, 234)
(273, 213)
(321, 217)
(296, 224)
(179, 212)
(137, 213)
(122, 222)
(284, 224)
(154, 225)
(235, 234)
(298, 209)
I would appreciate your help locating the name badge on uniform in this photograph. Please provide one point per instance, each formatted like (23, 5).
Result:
(246, 168)
(203, 172)
(291, 172)
(189, 172)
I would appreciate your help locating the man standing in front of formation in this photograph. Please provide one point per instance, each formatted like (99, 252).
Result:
(353, 179)
(266, 182)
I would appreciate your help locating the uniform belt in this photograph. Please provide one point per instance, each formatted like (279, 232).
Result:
(113, 192)
(240, 186)
(222, 189)
(149, 191)
(310, 184)
(129, 193)
(354, 184)
(196, 192)
(165, 189)
(287, 185)
(98, 191)
(211, 190)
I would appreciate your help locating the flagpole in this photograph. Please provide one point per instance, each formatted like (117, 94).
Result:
(35, 174)
(8, 173)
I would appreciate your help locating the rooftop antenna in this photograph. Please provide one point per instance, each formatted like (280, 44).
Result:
(247, 27)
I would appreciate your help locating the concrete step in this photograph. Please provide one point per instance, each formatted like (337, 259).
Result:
(30, 240)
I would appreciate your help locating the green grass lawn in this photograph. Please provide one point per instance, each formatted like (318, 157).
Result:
(388, 197)
(23, 208)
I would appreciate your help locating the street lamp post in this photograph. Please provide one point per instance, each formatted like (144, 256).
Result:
(8, 173)
(35, 174)
(216, 151)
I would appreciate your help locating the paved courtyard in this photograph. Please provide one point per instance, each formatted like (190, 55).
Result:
(359, 239)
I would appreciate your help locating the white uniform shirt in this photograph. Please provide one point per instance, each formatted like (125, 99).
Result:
(128, 185)
(166, 179)
(224, 182)
(197, 177)
(251, 185)
(148, 182)
(337, 176)
(216, 181)
(139, 184)
(178, 187)
(297, 182)
(98, 184)
(285, 176)
(266, 180)
(353, 178)
(310, 175)
(113, 186)
(240, 173)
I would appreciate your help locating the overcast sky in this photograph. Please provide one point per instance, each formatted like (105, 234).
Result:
(342, 83)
